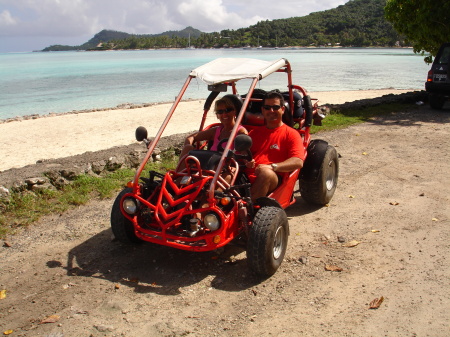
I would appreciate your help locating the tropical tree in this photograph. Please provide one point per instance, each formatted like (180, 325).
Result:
(425, 23)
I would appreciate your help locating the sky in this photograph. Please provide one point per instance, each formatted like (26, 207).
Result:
(27, 25)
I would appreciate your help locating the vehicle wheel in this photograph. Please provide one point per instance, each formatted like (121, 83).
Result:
(122, 228)
(436, 101)
(267, 241)
(321, 190)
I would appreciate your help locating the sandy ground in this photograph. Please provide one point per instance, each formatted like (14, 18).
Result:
(65, 276)
(27, 141)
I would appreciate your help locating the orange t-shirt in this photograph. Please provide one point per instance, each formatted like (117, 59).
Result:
(275, 146)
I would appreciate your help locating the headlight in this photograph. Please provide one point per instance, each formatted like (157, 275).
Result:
(130, 205)
(211, 221)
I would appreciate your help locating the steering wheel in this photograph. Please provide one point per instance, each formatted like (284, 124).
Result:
(220, 145)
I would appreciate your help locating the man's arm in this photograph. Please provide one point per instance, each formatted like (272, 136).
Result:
(288, 165)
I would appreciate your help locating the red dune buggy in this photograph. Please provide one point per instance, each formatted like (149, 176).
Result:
(194, 208)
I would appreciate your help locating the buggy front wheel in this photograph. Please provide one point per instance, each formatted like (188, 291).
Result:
(267, 242)
(122, 228)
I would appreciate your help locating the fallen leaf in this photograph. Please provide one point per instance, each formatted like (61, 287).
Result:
(375, 304)
(116, 286)
(375, 230)
(330, 267)
(394, 203)
(364, 153)
(434, 219)
(50, 319)
(8, 332)
(351, 196)
(2, 294)
(352, 243)
(68, 285)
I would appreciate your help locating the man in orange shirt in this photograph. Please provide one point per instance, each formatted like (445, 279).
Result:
(277, 148)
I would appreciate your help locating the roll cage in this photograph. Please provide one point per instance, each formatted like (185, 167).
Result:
(220, 74)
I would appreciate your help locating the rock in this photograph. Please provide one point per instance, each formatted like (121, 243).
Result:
(53, 175)
(104, 328)
(4, 192)
(98, 166)
(134, 159)
(73, 172)
(60, 182)
(19, 186)
(41, 187)
(36, 181)
(115, 163)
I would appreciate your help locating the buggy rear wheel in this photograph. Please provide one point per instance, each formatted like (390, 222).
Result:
(122, 228)
(319, 190)
(267, 242)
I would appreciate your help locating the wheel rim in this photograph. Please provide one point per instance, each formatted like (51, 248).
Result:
(278, 244)
(331, 174)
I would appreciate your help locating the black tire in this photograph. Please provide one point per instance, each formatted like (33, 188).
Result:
(122, 228)
(321, 190)
(436, 101)
(267, 241)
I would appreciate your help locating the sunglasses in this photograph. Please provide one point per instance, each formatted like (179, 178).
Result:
(222, 111)
(272, 107)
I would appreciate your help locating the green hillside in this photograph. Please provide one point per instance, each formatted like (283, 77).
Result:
(358, 23)
(101, 40)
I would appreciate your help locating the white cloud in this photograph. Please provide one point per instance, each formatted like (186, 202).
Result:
(6, 19)
(66, 20)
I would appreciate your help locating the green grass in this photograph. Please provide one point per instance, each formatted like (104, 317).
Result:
(24, 208)
(345, 118)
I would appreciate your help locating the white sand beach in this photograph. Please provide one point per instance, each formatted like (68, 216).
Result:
(27, 141)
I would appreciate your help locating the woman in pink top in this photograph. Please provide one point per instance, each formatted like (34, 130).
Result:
(226, 110)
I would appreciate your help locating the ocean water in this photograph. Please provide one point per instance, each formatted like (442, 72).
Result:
(42, 83)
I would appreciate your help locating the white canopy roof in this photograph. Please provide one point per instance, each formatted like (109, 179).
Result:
(232, 69)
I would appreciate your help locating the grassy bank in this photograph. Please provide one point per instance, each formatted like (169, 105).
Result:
(24, 208)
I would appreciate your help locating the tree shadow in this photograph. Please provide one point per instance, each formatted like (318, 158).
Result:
(414, 116)
(150, 268)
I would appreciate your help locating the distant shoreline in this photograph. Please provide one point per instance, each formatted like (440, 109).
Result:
(256, 48)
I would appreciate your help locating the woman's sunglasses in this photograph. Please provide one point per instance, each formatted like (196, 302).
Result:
(272, 107)
(222, 111)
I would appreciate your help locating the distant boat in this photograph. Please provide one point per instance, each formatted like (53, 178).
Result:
(189, 43)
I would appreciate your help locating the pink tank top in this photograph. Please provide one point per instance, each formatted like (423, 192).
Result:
(217, 140)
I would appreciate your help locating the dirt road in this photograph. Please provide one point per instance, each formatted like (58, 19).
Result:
(392, 198)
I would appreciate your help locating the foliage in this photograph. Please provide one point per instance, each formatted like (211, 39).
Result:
(358, 23)
(425, 23)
